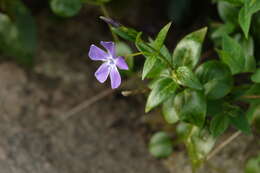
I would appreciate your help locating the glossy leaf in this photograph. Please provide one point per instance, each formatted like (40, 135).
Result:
(66, 8)
(245, 14)
(248, 50)
(159, 41)
(149, 64)
(232, 55)
(190, 106)
(216, 78)
(161, 145)
(188, 50)
(184, 76)
(219, 124)
(169, 112)
(162, 90)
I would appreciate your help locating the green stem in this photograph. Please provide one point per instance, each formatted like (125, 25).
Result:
(106, 14)
(134, 54)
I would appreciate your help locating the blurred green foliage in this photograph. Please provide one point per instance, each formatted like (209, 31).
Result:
(66, 8)
(161, 145)
(18, 30)
(253, 165)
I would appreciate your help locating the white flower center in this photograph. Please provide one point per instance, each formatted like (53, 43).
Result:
(111, 61)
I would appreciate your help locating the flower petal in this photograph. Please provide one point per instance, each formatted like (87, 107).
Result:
(110, 47)
(115, 78)
(121, 64)
(102, 72)
(97, 54)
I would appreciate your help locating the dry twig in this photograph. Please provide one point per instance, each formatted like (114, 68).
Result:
(222, 145)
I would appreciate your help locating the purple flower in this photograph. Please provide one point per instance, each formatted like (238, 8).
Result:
(110, 63)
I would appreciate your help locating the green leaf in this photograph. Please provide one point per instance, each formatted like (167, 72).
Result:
(228, 59)
(149, 64)
(222, 30)
(184, 76)
(142, 46)
(256, 76)
(216, 78)
(228, 12)
(126, 33)
(199, 143)
(244, 20)
(160, 145)
(169, 112)
(66, 8)
(245, 14)
(190, 106)
(219, 124)
(214, 107)
(158, 42)
(18, 35)
(232, 55)
(165, 52)
(153, 66)
(247, 46)
(238, 119)
(160, 68)
(162, 90)
(188, 50)
(253, 165)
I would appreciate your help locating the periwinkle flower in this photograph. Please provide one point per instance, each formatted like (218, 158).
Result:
(110, 63)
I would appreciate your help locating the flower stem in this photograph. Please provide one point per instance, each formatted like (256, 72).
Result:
(134, 54)
(106, 14)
